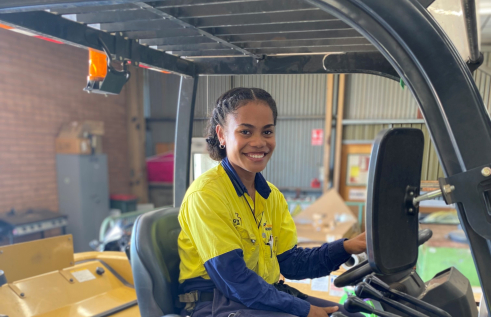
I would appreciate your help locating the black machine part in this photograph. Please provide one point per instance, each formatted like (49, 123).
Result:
(394, 178)
(358, 272)
(472, 189)
(356, 305)
(389, 292)
(449, 290)
(408, 282)
(452, 292)
(364, 290)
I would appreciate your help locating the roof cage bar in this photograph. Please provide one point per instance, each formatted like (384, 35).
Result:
(145, 6)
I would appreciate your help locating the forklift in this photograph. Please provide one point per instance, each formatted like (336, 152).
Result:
(402, 40)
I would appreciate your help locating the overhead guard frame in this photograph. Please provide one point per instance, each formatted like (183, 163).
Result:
(428, 64)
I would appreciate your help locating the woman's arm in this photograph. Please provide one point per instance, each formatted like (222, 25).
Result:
(231, 276)
(299, 263)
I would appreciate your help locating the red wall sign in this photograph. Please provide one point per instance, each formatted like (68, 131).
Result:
(317, 137)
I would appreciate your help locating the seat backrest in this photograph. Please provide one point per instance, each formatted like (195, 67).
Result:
(155, 261)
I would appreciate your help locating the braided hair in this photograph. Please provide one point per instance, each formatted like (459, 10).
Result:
(229, 102)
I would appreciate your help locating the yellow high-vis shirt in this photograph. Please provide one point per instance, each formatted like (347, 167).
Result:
(216, 219)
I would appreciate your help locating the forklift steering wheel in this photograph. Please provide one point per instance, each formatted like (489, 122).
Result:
(358, 272)
(353, 275)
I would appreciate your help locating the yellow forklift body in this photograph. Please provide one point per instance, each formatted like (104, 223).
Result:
(45, 279)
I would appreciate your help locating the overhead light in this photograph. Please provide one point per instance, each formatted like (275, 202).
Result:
(103, 77)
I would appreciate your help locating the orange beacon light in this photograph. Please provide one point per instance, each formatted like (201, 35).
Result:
(97, 65)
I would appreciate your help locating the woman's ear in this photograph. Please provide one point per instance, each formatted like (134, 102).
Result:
(220, 134)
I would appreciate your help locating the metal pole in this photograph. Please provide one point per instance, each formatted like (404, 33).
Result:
(332, 155)
(184, 132)
(427, 196)
(469, 7)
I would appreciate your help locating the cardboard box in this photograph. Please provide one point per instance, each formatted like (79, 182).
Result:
(73, 146)
(84, 137)
(161, 148)
(326, 220)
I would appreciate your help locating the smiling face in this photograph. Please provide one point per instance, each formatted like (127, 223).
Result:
(249, 137)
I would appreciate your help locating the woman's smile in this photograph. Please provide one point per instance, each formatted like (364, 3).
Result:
(256, 156)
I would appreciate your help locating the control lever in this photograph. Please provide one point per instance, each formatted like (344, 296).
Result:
(381, 286)
(364, 290)
(356, 305)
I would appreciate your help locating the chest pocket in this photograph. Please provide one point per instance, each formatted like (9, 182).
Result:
(250, 247)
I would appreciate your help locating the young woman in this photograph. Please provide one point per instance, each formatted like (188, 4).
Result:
(237, 233)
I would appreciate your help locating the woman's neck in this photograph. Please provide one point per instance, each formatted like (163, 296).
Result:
(246, 177)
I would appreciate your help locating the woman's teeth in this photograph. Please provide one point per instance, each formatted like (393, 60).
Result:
(256, 155)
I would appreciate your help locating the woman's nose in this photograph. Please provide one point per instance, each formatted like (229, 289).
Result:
(258, 141)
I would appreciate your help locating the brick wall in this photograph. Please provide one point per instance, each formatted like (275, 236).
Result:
(40, 89)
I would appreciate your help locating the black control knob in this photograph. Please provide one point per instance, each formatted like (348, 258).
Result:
(100, 270)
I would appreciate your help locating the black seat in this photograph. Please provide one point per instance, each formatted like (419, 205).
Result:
(155, 261)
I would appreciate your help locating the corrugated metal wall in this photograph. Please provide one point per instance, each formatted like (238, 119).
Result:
(368, 97)
(295, 95)
(301, 101)
(375, 97)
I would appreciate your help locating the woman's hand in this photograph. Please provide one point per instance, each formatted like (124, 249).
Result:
(356, 245)
(321, 311)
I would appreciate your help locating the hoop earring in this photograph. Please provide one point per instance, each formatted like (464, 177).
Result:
(222, 146)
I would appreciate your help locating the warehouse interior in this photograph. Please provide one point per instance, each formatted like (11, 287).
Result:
(86, 165)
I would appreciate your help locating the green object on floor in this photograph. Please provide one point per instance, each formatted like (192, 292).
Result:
(434, 260)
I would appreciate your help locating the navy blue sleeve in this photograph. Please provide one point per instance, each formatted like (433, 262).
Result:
(238, 283)
(300, 263)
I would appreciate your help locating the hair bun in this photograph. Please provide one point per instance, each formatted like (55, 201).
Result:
(212, 141)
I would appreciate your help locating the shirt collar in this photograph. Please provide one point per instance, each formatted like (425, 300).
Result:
(260, 182)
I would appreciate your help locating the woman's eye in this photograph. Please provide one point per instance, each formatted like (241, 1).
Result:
(246, 132)
(268, 132)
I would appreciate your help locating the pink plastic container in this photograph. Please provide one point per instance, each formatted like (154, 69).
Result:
(160, 168)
